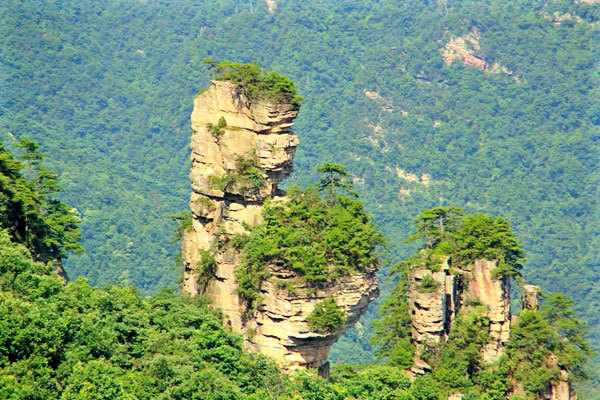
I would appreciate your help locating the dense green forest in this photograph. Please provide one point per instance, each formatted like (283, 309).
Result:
(74, 341)
(106, 88)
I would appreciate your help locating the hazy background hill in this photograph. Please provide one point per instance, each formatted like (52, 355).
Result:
(107, 89)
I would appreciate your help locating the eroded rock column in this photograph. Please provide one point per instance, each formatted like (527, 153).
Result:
(278, 327)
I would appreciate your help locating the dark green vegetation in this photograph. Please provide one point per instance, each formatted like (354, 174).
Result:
(541, 342)
(106, 89)
(81, 342)
(217, 130)
(253, 83)
(247, 178)
(29, 212)
(446, 232)
(320, 239)
(326, 317)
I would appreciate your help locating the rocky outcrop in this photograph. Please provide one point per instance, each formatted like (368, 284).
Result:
(433, 307)
(493, 292)
(531, 297)
(277, 326)
(467, 50)
(432, 303)
(437, 298)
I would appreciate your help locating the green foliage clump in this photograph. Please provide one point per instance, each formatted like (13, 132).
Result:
(447, 232)
(460, 359)
(184, 224)
(428, 284)
(335, 178)
(206, 205)
(256, 84)
(218, 130)
(483, 236)
(29, 208)
(247, 178)
(206, 268)
(542, 341)
(436, 225)
(326, 316)
(392, 330)
(81, 342)
(318, 239)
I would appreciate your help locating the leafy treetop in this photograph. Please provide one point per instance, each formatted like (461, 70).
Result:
(326, 316)
(334, 177)
(257, 84)
(29, 209)
(319, 239)
(468, 237)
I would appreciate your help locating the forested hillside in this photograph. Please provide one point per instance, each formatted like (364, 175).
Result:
(75, 341)
(106, 88)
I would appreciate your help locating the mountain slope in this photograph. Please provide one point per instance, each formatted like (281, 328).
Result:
(106, 88)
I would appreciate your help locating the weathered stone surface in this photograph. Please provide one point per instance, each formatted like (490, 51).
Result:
(433, 312)
(531, 297)
(562, 389)
(429, 311)
(494, 293)
(279, 326)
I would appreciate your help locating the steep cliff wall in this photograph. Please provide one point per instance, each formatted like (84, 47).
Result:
(483, 287)
(436, 298)
(278, 326)
(434, 305)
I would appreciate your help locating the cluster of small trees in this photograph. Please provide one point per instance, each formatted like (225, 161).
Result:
(321, 237)
(447, 232)
(254, 83)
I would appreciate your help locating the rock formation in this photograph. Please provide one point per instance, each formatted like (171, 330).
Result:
(259, 129)
(436, 298)
(467, 50)
(433, 308)
(531, 297)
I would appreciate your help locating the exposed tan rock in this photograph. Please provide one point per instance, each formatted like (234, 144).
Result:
(430, 314)
(562, 389)
(494, 293)
(271, 5)
(278, 327)
(531, 297)
(433, 312)
(467, 50)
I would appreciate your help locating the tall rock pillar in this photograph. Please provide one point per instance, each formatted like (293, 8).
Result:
(228, 127)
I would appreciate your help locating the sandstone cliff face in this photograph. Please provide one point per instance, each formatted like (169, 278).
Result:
(494, 293)
(434, 307)
(278, 327)
(433, 311)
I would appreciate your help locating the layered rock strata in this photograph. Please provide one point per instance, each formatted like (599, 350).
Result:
(436, 298)
(433, 308)
(278, 326)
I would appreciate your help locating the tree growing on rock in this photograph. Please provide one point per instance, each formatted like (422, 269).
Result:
(335, 178)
